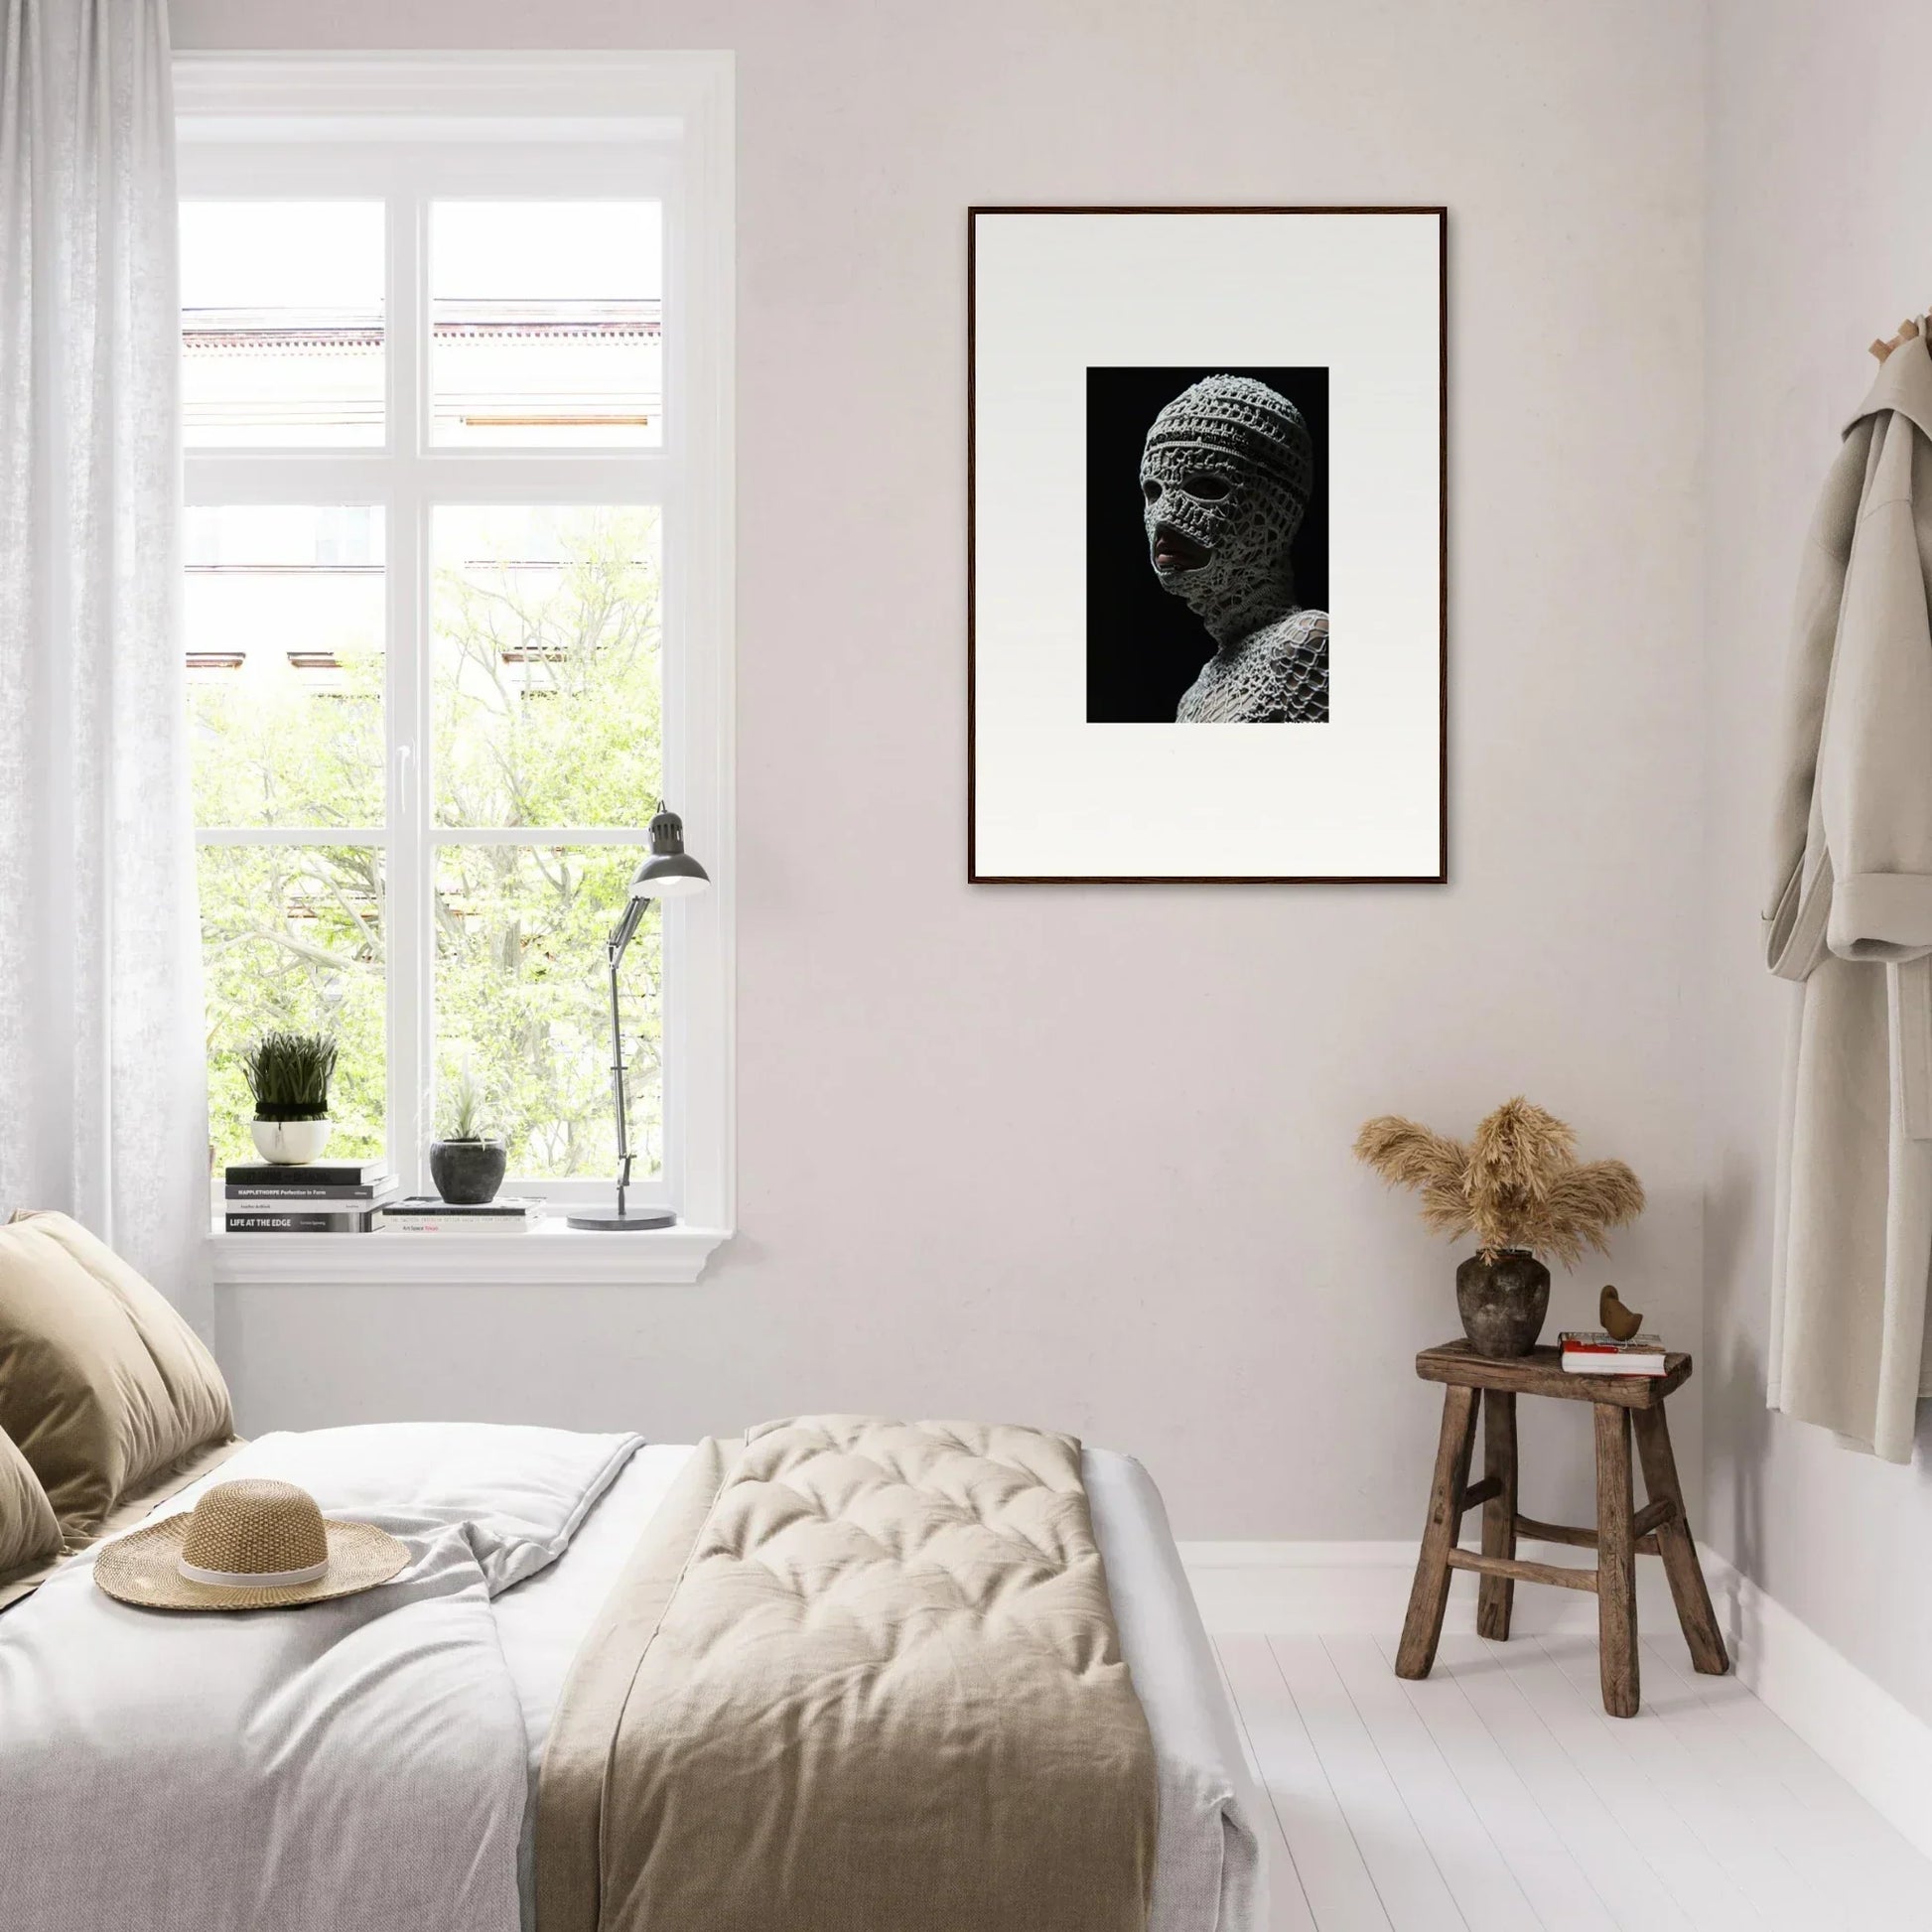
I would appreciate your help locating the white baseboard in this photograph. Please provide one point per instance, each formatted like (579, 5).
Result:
(1871, 1740)
(1880, 1748)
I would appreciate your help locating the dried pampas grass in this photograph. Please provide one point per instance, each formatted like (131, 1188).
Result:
(1517, 1183)
(1408, 1154)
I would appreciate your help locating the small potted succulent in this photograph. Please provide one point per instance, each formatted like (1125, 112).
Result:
(1517, 1186)
(289, 1075)
(469, 1161)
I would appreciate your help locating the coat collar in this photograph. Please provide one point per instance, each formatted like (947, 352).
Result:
(1903, 385)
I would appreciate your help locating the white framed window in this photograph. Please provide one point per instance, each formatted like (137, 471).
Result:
(456, 544)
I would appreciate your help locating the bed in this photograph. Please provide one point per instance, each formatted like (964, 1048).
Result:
(526, 1623)
(840, 1674)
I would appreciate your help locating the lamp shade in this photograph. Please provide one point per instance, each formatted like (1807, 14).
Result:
(669, 872)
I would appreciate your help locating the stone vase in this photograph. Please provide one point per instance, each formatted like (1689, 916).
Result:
(468, 1173)
(1503, 1302)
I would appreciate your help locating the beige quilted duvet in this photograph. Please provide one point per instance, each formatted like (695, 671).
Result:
(861, 1676)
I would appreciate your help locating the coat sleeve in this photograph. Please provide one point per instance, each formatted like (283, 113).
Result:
(1797, 900)
(1874, 760)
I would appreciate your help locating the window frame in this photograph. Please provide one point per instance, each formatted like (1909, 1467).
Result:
(409, 130)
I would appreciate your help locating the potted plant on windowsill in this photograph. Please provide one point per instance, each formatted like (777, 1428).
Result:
(469, 1161)
(289, 1075)
(1518, 1187)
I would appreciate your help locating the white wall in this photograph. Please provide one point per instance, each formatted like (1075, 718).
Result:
(1080, 1156)
(1820, 238)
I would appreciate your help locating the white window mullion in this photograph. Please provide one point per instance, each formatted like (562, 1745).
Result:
(636, 835)
(408, 926)
(225, 477)
(361, 477)
(375, 835)
(513, 477)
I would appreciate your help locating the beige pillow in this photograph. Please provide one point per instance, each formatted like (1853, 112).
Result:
(28, 1533)
(101, 1383)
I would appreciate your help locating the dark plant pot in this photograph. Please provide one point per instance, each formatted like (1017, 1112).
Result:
(468, 1173)
(1503, 1302)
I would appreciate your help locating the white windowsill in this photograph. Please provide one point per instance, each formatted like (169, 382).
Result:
(550, 1254)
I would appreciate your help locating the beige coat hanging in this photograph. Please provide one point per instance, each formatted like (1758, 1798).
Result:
(1850, 917)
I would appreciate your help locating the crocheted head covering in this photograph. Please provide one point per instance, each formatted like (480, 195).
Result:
(1227, 467)
(1237, 417)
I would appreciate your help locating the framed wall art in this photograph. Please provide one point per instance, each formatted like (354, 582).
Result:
(1206, 545)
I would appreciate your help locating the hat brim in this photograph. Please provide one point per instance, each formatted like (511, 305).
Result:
(142, 1569)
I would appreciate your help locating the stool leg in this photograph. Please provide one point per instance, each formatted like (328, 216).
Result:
(1497, 1595)
(1678, 1548)
(1616, 1563)
(1421, 1629)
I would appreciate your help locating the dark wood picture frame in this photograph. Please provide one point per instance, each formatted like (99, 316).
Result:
(973, 873)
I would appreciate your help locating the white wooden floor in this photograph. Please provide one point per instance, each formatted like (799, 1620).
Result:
(1496, 1795)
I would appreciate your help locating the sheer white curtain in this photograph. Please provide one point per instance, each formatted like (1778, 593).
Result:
(101, 1065)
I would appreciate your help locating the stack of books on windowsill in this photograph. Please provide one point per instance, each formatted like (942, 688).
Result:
(1595, 1352)
(427, 1214)
(324, 1197)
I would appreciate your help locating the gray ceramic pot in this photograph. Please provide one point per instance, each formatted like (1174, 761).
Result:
(1503, 1302)
(468, 1173)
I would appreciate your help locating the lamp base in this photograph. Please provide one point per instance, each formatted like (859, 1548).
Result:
(609, 1221)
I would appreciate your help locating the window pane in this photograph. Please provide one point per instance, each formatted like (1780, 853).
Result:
(522, 1002)
(293, 937)
(547, 688)
(546, 324)
(281, 324)
(284, 628)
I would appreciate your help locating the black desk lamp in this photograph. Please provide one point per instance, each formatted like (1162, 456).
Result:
(668, 872)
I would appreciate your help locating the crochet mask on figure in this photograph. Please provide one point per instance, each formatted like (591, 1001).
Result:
(1225, 476)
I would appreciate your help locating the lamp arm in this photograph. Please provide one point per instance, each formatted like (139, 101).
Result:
(615, 948)
(613, 951)
(625, 929)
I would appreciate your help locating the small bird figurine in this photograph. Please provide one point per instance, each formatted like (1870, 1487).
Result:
(1617, 1320)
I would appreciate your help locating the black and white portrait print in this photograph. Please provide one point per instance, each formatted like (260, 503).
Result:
(1207, 546)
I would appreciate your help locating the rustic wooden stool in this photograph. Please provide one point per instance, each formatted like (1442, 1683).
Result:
(1659, 1529)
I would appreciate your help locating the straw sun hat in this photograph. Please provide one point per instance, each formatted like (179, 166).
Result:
(251, 1545)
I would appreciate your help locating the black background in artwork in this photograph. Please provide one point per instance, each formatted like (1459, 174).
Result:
(1145, 647)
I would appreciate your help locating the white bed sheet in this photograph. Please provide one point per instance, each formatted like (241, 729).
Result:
(1208, 1874)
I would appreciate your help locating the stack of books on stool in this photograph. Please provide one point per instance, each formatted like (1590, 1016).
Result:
(428, 1215)
(1596, 1352)
(324, 1197)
